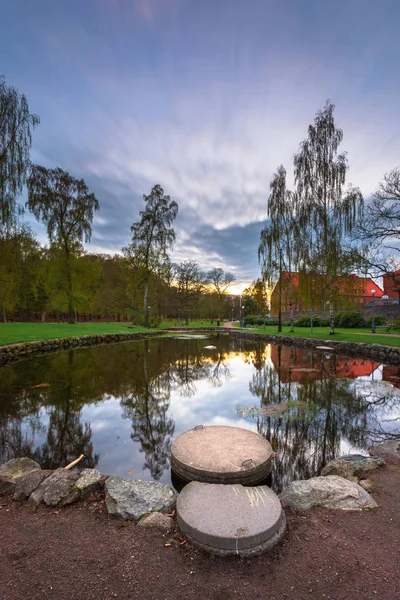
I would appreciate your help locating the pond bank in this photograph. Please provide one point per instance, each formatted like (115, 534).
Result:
(79, 552)
(386, 354)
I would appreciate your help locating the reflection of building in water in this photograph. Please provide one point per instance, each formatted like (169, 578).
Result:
(299, 365)
(392, 375)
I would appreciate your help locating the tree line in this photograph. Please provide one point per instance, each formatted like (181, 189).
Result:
(323, 229)
(61, 279)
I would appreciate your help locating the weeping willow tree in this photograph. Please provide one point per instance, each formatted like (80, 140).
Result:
(326, 214)
(279, 244)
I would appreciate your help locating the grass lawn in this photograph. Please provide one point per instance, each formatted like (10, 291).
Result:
(11, 333)
(341, 335)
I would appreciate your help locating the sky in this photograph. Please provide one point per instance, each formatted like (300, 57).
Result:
(206, 98)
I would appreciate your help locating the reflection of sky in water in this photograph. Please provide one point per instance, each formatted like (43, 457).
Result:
(210, 405)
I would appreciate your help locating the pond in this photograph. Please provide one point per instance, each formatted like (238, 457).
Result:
(122, 405)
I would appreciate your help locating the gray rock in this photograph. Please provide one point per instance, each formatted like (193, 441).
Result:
(89, 481)
(133, 499)
(367, 484)
(329, 492)
(157, 520)
(57, 490)
(28, 483)
(391, 447)
(352, 466)
(12, 471)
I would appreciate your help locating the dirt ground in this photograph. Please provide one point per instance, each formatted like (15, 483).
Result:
(80, 553)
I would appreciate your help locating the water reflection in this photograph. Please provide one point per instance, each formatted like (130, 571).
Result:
(122, 405)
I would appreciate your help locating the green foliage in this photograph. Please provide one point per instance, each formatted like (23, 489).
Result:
(16, 126)
(305, 321)
(349, 319)
(378, 320)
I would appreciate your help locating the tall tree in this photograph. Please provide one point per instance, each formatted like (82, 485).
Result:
(66, 207)
(326, 213)
(16, 126)
(278, 252)
(220, 282)
(152, 236)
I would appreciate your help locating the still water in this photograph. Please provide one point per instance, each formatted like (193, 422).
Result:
(122, 405)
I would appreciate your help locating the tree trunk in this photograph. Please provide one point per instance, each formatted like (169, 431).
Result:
(43, 317)
(69, 290)
(4, 314)
(146, 308)
(331, 312)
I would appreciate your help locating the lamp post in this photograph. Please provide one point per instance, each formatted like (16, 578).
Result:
(373, 312)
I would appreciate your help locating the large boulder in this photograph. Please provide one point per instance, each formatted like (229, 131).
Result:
(352, 466)
(57, 490)
(328, 492)
(133, 499)
(90, 480)
(29, 483)
(12, 471)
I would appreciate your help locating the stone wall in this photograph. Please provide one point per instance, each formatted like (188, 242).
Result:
(385, 354)
(14, 352)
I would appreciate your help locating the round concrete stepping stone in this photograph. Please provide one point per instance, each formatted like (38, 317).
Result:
(231, 519)
(221, 454)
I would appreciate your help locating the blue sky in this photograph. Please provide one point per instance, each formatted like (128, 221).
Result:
(206, 98)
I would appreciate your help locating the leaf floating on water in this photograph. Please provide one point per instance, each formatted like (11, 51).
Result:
(210, 347)
(41, 385)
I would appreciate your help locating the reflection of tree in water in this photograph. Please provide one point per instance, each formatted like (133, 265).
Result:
(147, 406)
(148, 402)
(66, 437)
(322, 410)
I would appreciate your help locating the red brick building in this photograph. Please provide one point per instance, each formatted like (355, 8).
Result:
(304, 292)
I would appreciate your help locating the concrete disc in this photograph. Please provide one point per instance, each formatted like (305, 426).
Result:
(231, 519)
(221, 454)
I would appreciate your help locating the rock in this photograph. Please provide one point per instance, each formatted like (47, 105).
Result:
(89, 481)
(57, 490)
(329, 492)
(352, 466)
(391, 447)
(28, 483)
(12, 471)
(158, 520)
(133, 499)
(367, 484)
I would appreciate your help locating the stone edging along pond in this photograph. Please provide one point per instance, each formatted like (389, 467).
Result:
(14, 352)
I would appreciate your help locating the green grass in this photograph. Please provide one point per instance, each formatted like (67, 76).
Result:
(363, 336)
(11, 333)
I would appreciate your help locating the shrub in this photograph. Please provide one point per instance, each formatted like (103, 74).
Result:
(396, 324)
(349, 319)
(305, 321)
(378, 320)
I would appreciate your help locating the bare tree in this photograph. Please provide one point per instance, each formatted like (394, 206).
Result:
(190, 283)
(220, 282)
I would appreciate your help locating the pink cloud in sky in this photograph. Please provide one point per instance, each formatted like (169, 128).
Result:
(147, 9)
